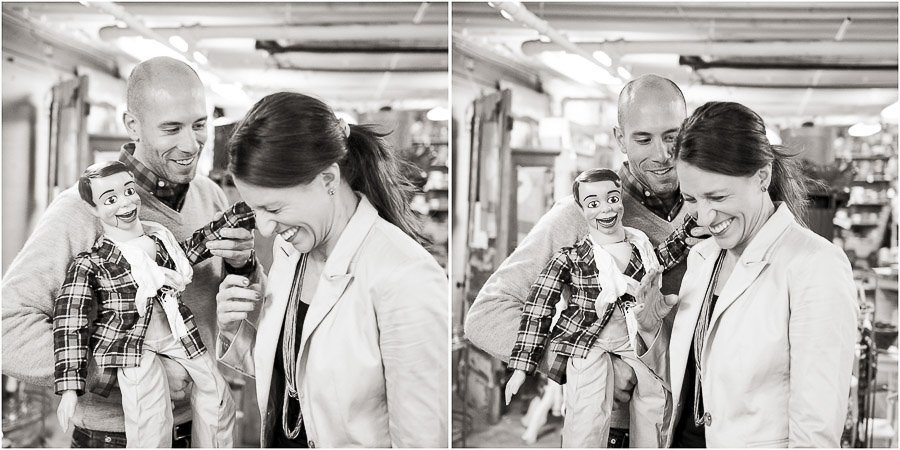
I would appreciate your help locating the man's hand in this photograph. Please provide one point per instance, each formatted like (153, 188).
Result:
(625, 379)
(514, 383)
(652, 305)
(179, 380)
(235, 248)
(66, 408)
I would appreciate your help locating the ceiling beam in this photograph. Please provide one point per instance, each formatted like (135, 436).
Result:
(698, 63)
(420, 32)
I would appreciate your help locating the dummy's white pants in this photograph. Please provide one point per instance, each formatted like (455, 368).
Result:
(148, 407)
(589, 399)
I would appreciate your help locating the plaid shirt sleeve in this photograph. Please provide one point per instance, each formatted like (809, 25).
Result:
(537, 316)
(238, 216)
(71, 327)
(675, 248)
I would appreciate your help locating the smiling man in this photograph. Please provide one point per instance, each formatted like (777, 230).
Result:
(650, 112)
(166, 120)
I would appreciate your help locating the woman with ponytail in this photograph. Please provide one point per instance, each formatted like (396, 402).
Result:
(350, 347)
(761, 349)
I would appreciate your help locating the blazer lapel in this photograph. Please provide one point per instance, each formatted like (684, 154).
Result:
(278, 288)
(336, 275)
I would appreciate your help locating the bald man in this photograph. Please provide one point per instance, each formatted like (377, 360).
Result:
(166, 120)
(650, 112)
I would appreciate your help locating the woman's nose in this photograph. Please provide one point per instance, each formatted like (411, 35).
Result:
(264, 223)
(705, 215)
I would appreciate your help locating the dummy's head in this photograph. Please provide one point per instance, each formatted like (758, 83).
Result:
(110, 190)
(599, 194)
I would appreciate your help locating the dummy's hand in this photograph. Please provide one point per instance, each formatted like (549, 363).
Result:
(66, 408)
(235, 248)
(514, 383)
(625, 379)
(652, 306)
(697, 234)
(179, 380)
(235, 300)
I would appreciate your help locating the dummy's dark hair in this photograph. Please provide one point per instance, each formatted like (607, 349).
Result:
(287, 139)
(593, 176)
(730, 139)
(98, 170)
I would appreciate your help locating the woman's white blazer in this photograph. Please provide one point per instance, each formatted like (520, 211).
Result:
(778, 355)
(373, 368)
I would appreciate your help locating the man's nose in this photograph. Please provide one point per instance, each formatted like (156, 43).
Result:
(190, 143)
(662, 151)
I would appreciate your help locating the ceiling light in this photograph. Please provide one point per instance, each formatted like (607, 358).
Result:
(506, 15)
(624, 73)
(604, 59)
(222, 121)
(438, 114)
(200, 58)
(891, 112)
(864, 129)
(578, 68)
(178, 43)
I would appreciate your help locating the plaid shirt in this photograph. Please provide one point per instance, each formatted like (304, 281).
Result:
(578, 326)
(665, 207)
(169, 193)
(103, 277)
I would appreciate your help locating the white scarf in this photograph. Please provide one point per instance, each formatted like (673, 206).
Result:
(150, 277)
(614, 283)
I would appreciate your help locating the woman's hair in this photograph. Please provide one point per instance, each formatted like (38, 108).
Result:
(98, 170)
(287, 139)
(593, 176)
(730, 139)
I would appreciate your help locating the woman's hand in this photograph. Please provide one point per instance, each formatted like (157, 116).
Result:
(514, 383)
(66, 408)
(236, 299)
(652, 306)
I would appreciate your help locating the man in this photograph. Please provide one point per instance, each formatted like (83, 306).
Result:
(650, 112)
(166, 120)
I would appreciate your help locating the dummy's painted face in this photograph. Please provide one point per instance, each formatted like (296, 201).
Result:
(117, 202)
(601, 204)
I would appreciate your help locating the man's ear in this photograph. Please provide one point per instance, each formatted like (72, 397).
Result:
(620, 139)
(132, 125)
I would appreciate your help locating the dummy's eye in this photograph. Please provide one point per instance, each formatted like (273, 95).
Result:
(111, 200)
(129, 191)
(593, 204)
(613, 199)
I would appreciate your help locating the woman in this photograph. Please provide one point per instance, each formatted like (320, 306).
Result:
(350, 347)
(761, 348)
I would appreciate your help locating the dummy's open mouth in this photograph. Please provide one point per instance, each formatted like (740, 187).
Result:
(129, 216)
(608, 222)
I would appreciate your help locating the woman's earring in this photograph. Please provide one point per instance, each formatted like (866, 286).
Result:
(331, 192)
(764, 188)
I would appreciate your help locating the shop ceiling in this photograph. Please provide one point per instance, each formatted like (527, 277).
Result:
(375, 54)
(792, 62)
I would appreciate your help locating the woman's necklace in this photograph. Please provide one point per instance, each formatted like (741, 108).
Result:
(289, 352)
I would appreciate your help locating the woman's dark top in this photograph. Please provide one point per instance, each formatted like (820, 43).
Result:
(277, 439)
(687, 434)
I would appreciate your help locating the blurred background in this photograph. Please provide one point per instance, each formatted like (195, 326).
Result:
(534, 92)
(64, 71)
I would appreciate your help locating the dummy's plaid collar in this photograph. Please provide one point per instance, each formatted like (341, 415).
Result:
(665, 207)
(169, 193)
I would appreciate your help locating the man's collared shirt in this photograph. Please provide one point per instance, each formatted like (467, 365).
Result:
(579, 325)
(665, 207)
(171, 194)
(101, 279)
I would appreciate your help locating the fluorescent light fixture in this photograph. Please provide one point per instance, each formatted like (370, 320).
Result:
(178, 42)
(507, 16)
(864, 129)
(891, 112)
(224, 120)
(200, 58)
(624, 73)
(438, 114)
(578, 68)
(231, 91)
(604, 59)
(144, 49)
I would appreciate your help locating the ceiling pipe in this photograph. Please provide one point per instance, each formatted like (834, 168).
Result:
(879, 49)
(420, 32)
(520, 14)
